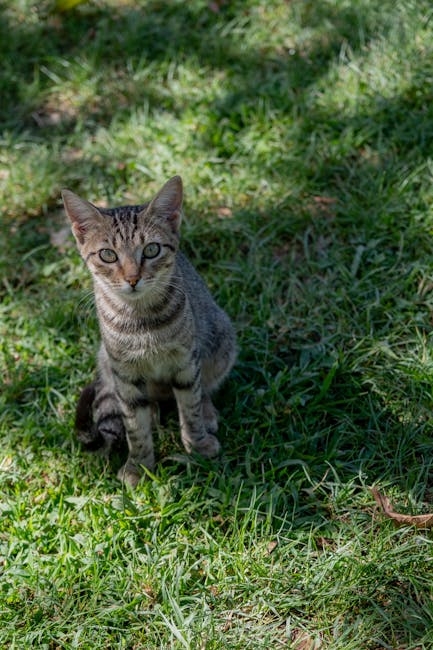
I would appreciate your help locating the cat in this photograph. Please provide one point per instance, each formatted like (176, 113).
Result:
(162, 334)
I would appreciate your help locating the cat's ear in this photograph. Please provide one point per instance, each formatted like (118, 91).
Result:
(82, 214)
(168, 202)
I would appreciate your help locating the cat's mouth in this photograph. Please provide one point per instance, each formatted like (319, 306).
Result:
(132, 292)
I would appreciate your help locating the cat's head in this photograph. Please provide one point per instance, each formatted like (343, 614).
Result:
(129, 250)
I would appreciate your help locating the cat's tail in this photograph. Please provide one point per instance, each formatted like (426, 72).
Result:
(97, 429)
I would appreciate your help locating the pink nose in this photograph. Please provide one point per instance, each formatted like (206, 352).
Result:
(133, 280)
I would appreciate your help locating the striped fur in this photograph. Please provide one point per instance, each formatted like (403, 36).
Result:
(162, 333)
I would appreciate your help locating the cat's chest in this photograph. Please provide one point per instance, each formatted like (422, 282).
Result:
(160, 363)
(162, 366)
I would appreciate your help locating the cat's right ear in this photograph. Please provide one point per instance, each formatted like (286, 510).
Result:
(82, 214)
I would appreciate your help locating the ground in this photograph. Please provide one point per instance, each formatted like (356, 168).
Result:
(303, 131)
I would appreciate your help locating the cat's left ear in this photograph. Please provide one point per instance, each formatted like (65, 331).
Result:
(168, 202)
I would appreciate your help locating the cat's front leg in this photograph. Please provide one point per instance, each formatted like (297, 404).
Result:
(137, 419)
(194, 434)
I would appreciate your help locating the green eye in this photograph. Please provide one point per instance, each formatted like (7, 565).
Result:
(151, 250)
(107, 255)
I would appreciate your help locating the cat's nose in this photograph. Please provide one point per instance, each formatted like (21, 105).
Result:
(132, 280)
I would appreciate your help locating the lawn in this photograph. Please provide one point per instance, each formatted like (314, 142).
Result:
(303, 131)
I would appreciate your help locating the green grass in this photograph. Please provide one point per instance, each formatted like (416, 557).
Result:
(304, 134)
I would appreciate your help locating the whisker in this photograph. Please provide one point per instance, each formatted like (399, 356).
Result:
(85, 304)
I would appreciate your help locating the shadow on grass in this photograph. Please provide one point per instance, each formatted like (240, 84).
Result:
(116, 38)
(113, 38)
(319, 273)
(295, 356)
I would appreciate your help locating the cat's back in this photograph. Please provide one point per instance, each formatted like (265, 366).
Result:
(211, 321)
(201, 300)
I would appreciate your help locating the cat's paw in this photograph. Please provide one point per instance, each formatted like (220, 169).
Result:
(209, 446)
(129, 475)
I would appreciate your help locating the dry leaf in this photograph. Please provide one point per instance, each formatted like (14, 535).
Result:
(420, 521)
(324, 542)
(272, 546)
(215, 7)
(224, 212)
(323, 205)
(227, 625)
(6, 463)
(71, 155)
(303, 641)
(324, 200)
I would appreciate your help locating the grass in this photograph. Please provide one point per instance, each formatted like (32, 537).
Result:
(304, 135)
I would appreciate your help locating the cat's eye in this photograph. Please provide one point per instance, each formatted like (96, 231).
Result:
(151, 250)
(107, 255)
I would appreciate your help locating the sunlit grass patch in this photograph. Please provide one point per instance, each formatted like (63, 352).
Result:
(302, 131)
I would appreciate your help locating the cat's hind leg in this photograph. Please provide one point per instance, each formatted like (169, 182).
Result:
(107, 415)
(85, 430)
(210, 414)
(214, 370)
(219, 357)
(98, 422)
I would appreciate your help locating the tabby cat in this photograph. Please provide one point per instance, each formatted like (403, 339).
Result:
(162, 333)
